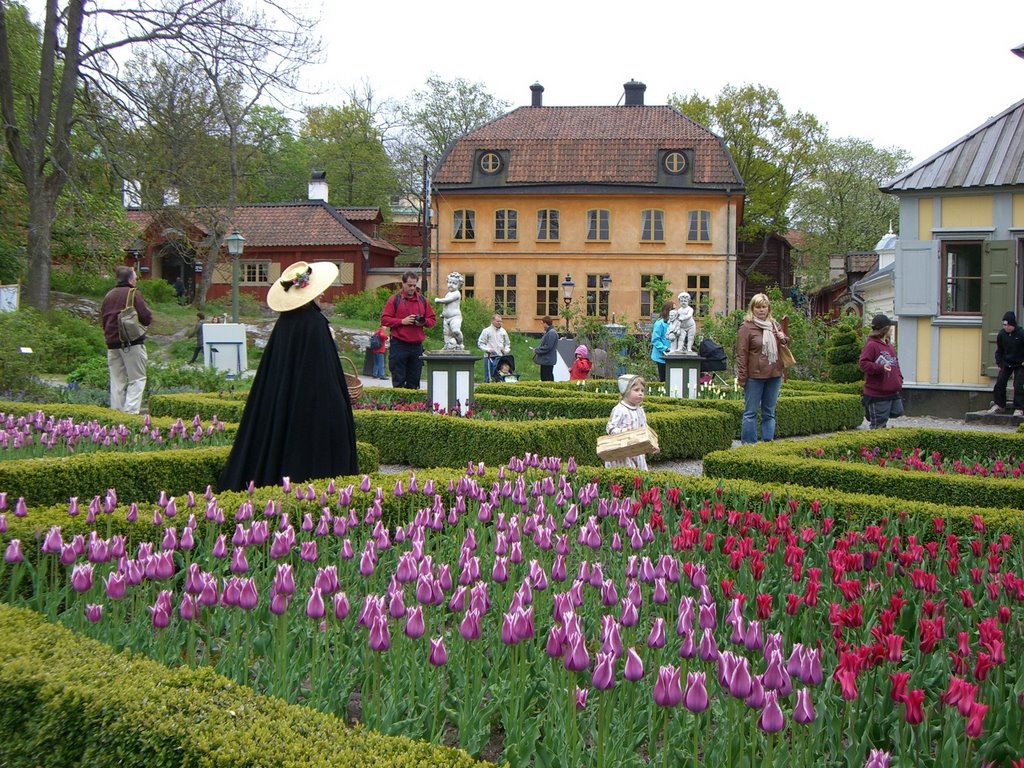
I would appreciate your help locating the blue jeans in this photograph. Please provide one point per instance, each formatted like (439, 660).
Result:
(760, 394)
(378, 365)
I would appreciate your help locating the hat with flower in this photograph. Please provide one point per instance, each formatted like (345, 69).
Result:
(300, 283)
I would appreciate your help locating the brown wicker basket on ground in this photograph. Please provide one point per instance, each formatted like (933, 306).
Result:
(632, 442)
(355, 386)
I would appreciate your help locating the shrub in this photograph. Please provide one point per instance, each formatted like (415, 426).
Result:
(80, 282)
(842, 350)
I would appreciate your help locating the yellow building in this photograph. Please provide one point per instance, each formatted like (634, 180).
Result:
(959, 264)
(604, 197)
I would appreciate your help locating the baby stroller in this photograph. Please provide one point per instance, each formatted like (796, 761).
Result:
(712, 358)
(505, 370)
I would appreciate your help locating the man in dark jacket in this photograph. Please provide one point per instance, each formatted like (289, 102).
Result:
(126, 360)
(1010, 359)
(408, 315)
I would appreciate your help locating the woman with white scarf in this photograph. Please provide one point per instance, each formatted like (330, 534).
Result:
(758, 368)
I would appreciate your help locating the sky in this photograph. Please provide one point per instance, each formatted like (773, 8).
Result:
(899, 73)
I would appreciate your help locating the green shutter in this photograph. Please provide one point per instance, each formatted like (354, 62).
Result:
(998, 294)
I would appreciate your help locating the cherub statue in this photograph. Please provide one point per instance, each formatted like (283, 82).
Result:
(452, 312)
(687, 326)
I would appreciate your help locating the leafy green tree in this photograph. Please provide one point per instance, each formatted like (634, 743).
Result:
(774, 150)
(345, 143)
(252, 48)
(840, 207)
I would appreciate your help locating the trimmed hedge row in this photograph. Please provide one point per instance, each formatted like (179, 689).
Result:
(426, 440)
(136, 476)
(795, 463)
(70, 701)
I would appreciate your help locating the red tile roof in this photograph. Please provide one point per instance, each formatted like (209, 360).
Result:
(312, 223)
(581, 145)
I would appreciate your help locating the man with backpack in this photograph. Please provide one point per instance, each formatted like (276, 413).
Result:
(126, 357)
(407, 314)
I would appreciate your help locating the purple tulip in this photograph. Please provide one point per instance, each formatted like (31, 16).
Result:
(13, 554)
(279, 602)
(810, 667)
(3, 523)
(239, 563)
(739, 681)
(687, 648)
(771, 719)
(20, 508)
(630, 616)
(93, 612)
(803, 712)
(438, 653)
(696, 697)
(73, 506)
(81, 578)
(341, 606)
(576, 657)
(380, 636)
(161, 616)
(522, 624)
(469, 628)
(581, 698)
(366, 564)
(247, 595)
(414, 625)
(656, 639)
(555, 645)
(878, 758)
(187, 540)
(756, 698)
(752, 638)
(668, 691)
(708, 649)
(603, 676)
(634, 670)
(189, 607)
(308, 551)
(115, 585)
(707, 617)
(220, 547)
(315, 605)
(53, 543)
(396, 605)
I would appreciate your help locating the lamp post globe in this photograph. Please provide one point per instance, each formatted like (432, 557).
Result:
(235, 244)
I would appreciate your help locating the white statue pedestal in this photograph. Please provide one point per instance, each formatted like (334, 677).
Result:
(224, 348)
(682, 372)
(450, 378)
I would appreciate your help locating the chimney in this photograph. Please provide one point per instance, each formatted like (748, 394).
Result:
(538, 95)
(318, 186)
(634, 93)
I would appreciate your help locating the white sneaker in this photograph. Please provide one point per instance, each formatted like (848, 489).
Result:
(995, 409)
(1019, 413)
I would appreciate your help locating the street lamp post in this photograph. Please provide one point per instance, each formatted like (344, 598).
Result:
(567, 288)
(366, 263)
(236, 244)
(606, 281)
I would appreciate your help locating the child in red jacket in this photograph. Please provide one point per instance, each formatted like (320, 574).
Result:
(581, 367)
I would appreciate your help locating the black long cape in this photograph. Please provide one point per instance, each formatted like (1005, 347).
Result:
(297, 420)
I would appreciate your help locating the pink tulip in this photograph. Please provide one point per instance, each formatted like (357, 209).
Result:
(469, 628)
(668, 691)
(247, 595)
(656, 639)
(279, 602)
(93, 612)
(581, 698)
(220, 547)
(189, 607)
(877, 759)
(315, 604)
(53, 543)
(239, 563)
(341, 606)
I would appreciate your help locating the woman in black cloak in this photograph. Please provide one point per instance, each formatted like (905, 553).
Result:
(297, 421)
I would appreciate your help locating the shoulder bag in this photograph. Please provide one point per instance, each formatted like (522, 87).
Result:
(129, 328)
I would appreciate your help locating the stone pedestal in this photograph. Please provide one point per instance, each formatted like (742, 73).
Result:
(682, 372)
(450, 378)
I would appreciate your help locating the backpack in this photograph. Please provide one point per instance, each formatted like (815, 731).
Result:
(128, 326)
(398, 298)
(376, 342)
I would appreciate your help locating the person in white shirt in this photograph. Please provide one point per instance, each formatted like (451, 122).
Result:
(494, 343)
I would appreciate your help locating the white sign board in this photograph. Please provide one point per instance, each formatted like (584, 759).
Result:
(224, 347)
(9, 297)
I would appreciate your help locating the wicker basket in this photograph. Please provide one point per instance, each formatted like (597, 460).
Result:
(632, 442)
(352, 380)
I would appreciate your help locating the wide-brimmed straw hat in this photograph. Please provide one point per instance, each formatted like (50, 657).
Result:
(300, 283)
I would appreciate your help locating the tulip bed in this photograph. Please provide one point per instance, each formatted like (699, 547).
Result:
(31, 436)
(538, 614)
(917, 460)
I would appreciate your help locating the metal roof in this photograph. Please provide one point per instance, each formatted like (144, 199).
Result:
(992, 155)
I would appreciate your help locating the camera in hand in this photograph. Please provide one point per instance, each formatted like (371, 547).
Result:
(420, 319)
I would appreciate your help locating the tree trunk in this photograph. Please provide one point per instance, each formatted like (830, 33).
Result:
(41, 215)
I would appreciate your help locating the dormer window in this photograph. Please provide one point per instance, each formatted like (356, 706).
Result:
(490, 163)
(675, 162)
